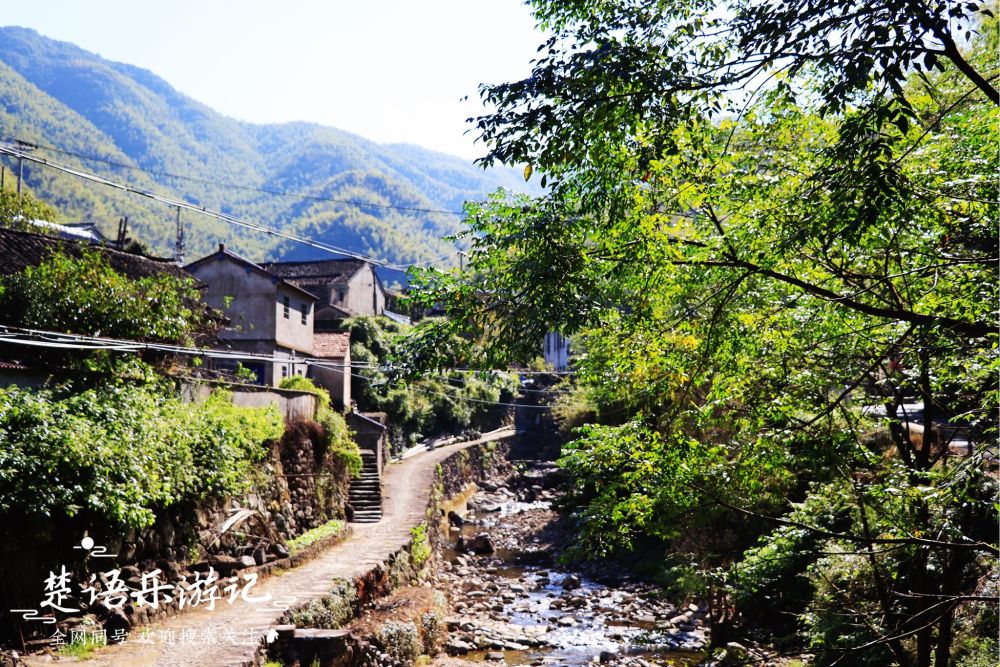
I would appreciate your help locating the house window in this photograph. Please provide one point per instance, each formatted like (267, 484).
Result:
(305, 313)
(287, 309)
(284, 371)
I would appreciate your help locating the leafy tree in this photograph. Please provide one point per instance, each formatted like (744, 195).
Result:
(766, 220)
(85, 295)
(16, 210)
(419, 407)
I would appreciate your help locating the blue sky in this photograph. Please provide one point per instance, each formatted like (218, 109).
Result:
(389, 70)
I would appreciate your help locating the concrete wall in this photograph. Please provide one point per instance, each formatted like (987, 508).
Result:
(364, 293)
(292, 404)
(252, 310)
(336, 380)
(290, 331)
(370, 435)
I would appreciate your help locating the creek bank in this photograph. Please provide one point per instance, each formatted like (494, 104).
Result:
(512, 602)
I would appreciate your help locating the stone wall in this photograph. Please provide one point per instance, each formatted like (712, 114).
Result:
(298, 487)
(343, 604)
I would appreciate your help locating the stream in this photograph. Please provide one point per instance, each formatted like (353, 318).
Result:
(512, 603)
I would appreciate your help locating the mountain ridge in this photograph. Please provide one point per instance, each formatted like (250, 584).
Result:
(55, 93)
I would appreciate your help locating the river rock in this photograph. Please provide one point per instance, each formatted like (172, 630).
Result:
(480, 544)
(570, 582)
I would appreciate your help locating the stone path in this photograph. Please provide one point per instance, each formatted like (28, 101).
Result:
(230, 634)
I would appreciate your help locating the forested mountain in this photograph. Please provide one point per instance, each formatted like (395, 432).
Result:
(57, 95)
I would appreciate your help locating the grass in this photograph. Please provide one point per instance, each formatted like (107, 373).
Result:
(80, 649)
(332, 528)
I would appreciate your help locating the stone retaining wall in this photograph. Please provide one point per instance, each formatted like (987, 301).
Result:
(453, 477)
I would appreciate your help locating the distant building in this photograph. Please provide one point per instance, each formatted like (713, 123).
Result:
(345, 288)
(72, 231)
(555, 350)
(332, 350)
(267, 314)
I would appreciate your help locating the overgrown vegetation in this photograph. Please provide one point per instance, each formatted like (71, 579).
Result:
(87, 296)
(16, 210)
(119, 444)
(773, 227)
(417, 408)
(338, 441)
(119, 452)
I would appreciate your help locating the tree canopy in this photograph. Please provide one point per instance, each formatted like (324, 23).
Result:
(771, 228)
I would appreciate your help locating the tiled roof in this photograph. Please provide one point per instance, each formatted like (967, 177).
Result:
(331, 271)
(19, 250)
(331, 345)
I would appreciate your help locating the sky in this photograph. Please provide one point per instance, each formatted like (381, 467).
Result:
(388, 70)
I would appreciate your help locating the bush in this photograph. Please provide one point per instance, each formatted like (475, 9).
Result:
(121, 451)
(86, 296)
(427, 406)
(337, 436)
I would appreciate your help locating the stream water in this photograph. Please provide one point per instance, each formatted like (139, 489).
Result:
(515, 604)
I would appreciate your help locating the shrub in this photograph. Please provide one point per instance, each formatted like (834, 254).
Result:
(121, 451)
(337, 436)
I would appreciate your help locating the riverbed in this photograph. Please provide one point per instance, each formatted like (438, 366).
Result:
(512, 601)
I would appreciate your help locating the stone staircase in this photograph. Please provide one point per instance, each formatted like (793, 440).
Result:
(365, 492)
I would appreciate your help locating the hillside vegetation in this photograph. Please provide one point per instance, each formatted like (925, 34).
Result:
(57, 95)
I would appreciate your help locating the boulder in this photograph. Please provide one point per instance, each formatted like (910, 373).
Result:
(480, 544)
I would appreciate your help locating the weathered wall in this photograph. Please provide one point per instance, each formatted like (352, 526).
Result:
(298, 487)
(292, 404)
(408, 565)
(290, 331)
(364, 294)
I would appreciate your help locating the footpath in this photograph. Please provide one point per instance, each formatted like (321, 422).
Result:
(231, 634)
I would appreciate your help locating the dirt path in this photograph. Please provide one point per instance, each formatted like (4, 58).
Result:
(230, 634)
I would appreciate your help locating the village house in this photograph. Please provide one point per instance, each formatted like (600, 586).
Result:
(267, 314)
(345, 288)
(332, 369)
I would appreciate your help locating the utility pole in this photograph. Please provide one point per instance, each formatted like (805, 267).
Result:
(122, 232)
(179, 245)
(20, 174)
(461, 260)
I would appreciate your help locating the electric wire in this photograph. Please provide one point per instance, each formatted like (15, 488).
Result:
(226, 184)
(55, 340)
(13, 151)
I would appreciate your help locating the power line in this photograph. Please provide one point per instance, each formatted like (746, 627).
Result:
(218, 215)
(56, 340)
(234, 186)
